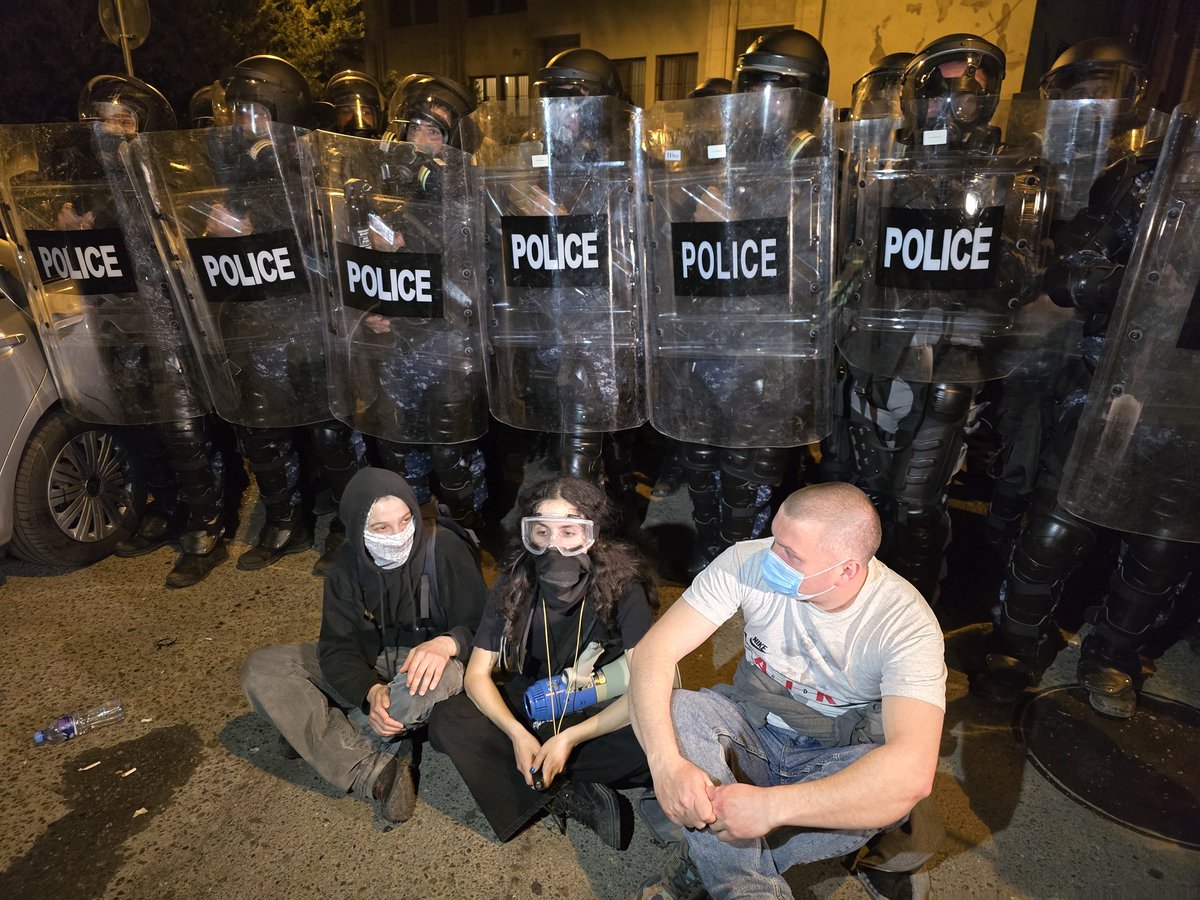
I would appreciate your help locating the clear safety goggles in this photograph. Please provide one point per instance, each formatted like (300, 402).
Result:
(568, 536)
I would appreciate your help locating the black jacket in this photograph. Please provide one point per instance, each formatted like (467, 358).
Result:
(367, 608)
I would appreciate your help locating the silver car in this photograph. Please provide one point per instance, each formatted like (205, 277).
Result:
(69, 490)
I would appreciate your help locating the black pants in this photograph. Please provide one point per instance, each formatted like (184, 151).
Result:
(483, 755)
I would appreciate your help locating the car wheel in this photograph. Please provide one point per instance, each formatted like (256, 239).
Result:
(78, 493)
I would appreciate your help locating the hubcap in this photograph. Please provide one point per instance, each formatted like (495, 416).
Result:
(89, 491)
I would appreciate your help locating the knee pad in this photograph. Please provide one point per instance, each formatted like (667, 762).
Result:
(1051, 545)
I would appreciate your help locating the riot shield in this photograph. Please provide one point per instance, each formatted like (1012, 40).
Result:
(233, 222)
(400, 228)
(942, 279)
(1077, 140)
(563, 188)
(863, 142)
(742, 193)
(1135, 462)
(106, 314)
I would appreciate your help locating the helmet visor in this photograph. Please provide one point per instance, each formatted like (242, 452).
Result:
(254, 117)
(876, 96)
(117, 118)
(568, 536)
(1095, 81)
(356, 114)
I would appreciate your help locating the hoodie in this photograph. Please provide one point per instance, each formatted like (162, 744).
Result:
(367, 609)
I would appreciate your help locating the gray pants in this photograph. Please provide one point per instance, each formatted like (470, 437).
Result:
(285, 686)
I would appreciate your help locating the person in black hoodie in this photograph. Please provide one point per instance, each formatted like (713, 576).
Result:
(394, 638)
(566, 585)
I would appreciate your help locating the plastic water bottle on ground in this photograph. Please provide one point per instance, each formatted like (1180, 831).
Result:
(74, 724)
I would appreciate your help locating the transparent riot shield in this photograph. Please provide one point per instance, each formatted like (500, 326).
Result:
(400, 228)
(863, 143)
(563, 190)
(105, 310)
(743, 189)
(1135, 462)
(233, 222)
(942, 280)
(1077, 140)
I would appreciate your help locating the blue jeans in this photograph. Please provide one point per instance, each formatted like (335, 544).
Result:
(714, 733)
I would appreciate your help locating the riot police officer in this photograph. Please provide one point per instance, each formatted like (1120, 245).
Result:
(184, 469)
(257, 92)
(353, 104)
(430, 112)
(731, 488)
(903, 420)
(1085, 272)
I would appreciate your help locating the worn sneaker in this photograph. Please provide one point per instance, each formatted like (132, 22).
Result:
(893, 885)
(394, 793)
(678, 880)
(598, 807)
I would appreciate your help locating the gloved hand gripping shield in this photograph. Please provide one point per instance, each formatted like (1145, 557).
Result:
(1135, 462)
(234, 226)
(103, 303)
(743, 190)
(399, 229)
(563, 190)
(941, 280)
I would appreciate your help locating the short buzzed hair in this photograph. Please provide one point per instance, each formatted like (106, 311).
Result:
(848, 521)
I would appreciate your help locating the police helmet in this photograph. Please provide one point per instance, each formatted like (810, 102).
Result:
(265, 85)
(712, 87)
(126, 103)
(578, 73)
(784, 59)
(356, 103)
(1096, 69)
(432, 102)
(200, 107)
(876, 94)
(953, 83)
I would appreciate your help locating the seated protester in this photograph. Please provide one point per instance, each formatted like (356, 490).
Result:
(829, 733)
(396, 627)
(568, 585)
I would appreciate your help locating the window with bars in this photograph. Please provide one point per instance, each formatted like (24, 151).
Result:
(676, 75)
(501, 87)
(632, 73)
(405, 13)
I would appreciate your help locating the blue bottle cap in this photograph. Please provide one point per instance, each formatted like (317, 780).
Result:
(39, 737)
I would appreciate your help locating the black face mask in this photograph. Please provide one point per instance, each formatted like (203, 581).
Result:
(562, 579)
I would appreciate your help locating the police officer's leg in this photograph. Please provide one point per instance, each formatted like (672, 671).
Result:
(201, 472)
(924, 470)
(1149, 577)
(412, 462)
(702, 468)
(1051, 545)
(581, 455)
(340, 453)
(748, 479)
(275, 462)
(160, 522)
(461, 485)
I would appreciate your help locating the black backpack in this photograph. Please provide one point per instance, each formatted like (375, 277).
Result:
(428, 601)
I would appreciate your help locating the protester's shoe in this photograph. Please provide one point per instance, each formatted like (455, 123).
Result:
(883, 885)
(154, 531)
(192, 568)
(598, 807)
(678, 880)
(394, 793)
(276, 541)
(333, 543)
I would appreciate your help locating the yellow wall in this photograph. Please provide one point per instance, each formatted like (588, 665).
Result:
(855, 33)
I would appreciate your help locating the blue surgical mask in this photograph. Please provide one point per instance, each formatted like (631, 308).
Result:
(783, 579)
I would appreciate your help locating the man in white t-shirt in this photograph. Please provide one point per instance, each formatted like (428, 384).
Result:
(829, 733)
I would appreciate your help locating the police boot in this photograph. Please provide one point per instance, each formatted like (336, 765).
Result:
(156, 529)
(202, 552)
(334, 542)
(282, 534)
(1018, 654)
(1112, 683)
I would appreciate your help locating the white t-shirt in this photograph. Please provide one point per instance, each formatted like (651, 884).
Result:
(886, 643)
